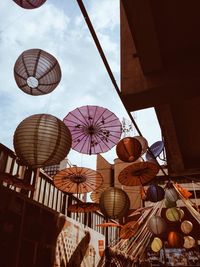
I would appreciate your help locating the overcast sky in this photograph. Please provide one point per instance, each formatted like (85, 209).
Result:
(59, 28)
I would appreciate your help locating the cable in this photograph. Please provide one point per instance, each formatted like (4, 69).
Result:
(101, 52)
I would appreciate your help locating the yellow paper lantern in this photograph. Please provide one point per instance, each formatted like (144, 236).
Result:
(41, 140)
(173, 214)
(114, 203)
(156, 244)
(189, 242)
(182, 213)
(186, 227)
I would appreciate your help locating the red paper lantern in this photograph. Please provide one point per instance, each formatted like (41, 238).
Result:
(175, 239)
(129, 149)
(29, 4)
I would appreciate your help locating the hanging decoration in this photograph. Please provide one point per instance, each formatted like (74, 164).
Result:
(186, 227)
(94, 129)
(143, 143)
(37, 72)
(156, 244)
(155, 150)
(181, 212)
(41, 140)
(96, 194)
(138, 173)
(29, 4)
(109, 224)
(157, 225)
(171, 194)
(155, 193)
(114, 203)
(129, 149)
(189, 242)
(173, 215)
(175, 239)
(77, 180)
(170, 204)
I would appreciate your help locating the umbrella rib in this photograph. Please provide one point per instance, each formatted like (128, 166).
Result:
(83, 116)
(70, 113)
(100, 115)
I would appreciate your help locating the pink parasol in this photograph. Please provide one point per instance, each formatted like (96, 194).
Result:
(94, 129)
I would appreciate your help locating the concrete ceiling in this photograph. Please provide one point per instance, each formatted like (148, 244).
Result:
(160, 67)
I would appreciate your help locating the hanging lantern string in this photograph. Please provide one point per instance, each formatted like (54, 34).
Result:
(107, 66)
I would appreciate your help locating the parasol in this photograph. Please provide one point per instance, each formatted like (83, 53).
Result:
(138, 173)
(94, 129)
(155, 150)
(83, 207)
(14, 180)
(77, 180)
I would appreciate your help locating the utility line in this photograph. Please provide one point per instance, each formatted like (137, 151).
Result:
(101, 52)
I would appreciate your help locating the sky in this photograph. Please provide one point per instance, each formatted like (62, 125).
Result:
(58, 28)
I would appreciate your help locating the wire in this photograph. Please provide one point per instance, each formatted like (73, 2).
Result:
(107, 66)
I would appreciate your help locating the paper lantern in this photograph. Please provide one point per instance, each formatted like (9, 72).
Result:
(156, 244)
(173, 214)
(155, 193)
(37, 72)
(171, 194)
(170, 204)
(143, 143)
(175, 240)
(29, 4)
(186, 227)
(114, 203)
(41, 140)
(129, 149)
(189, 242)
(157, 225)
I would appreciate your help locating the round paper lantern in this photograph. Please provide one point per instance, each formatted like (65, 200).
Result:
(129, 149)
(157, 225)
(155, 193)
(175, 240)
(173, 214)
(189, 242)
(114, 203)
(37, 72)
(171, 194)
(143, 143)
(29, 4)
(170, 204)
(186, 227)
(156, 244)
(41, 140)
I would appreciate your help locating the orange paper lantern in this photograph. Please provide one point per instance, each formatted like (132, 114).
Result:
(175, 240)
(129, 149)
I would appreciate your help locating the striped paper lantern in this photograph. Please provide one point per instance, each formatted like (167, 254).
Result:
(129, 149)
(155, 193)
(186, 227)
(37, 72)
(157, 225)
(29, 4)
(114, 203)
(173, 214)
(156, 244)
(171, 194)
(41, 140)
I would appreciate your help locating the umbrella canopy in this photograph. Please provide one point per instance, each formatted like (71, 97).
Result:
(77, 180)
(138, 173)
(94, 129)
(14, 180)
(83, 207)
